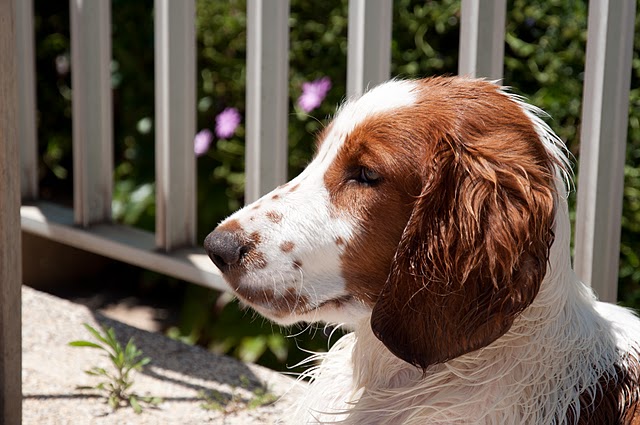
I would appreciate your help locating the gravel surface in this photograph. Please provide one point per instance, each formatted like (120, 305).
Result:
(184, 377)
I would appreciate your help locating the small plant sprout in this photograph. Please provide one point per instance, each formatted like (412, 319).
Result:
(235, 402)
(117, 382)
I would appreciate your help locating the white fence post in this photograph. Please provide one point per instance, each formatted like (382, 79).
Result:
(602, 144)
(10, 249)
(27, 100)
(267, 96)
(175, 81)
(92, 110)
(482, 28)
(369, 44)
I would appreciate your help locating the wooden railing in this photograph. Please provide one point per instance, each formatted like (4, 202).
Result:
(172, 249)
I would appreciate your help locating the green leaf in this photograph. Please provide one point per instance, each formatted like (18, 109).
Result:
(135, 405)
(110, 335)
(86, 344)
(120, 359)
(244, 382)
(143, 362)
(130, 351)
(277, 343)
(251, 348)
(95, 333)
(97, 371)
(262, 398)
(151, 400)
(114, 402)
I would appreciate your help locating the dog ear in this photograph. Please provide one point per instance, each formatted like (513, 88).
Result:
(473, 253)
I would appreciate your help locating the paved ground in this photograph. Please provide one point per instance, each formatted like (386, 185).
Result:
(185, 377)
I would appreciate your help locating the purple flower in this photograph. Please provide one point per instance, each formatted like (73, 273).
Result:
(226, 123)
(313, 93)
(202, 141)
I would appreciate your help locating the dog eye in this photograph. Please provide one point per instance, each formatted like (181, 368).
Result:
(368, 176)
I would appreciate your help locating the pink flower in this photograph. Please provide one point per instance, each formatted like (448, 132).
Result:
(62, 65)
(226, 123)
(202, 141)
(313, 93)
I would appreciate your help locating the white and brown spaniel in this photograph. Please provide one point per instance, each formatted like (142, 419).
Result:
(433, 223)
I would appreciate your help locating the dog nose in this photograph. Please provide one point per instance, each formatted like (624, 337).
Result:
(225, 249)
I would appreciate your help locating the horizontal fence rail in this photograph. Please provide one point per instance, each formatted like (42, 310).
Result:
(120, 242)
(171, 248)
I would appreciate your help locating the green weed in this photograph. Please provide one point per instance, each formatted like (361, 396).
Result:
(117, 381)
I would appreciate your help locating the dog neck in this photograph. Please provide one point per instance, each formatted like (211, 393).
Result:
(501, 378)
(561, 327)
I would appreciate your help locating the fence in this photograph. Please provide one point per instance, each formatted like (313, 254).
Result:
(171, 249)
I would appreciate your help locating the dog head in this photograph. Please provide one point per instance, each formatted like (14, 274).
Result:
(428, 207)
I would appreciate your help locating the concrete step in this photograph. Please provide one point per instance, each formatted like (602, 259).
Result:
(186, 378)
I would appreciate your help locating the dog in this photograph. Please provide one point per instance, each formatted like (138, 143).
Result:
(433, 223)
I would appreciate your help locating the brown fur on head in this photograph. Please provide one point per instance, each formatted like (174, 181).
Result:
(474, 251)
